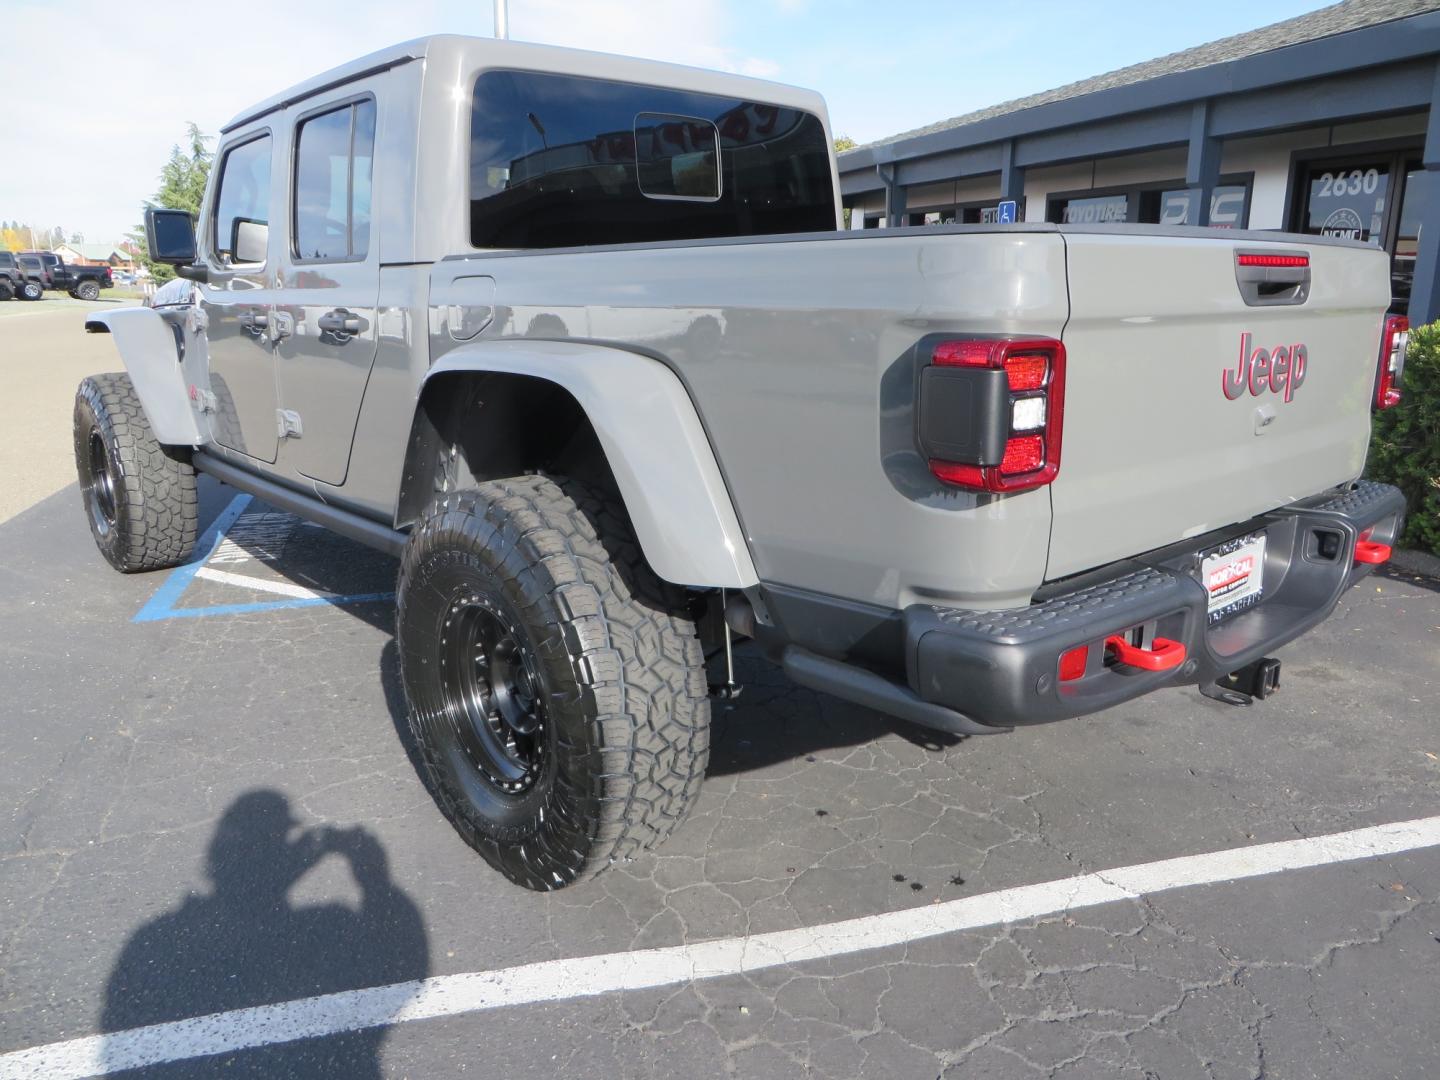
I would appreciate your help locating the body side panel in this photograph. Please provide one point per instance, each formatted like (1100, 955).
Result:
(785, 349)
(382, 431)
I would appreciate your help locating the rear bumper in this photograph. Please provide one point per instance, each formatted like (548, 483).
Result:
(1002, 668)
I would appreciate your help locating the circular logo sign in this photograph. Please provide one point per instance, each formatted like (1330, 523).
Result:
(1344, 223)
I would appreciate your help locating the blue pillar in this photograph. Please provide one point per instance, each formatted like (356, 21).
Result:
(894, 195)
(1012, 177)
(1202, 164)
(1425, 290)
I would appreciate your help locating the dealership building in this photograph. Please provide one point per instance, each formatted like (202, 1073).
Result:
(1323, 124)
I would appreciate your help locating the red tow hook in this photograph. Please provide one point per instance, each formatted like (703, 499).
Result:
(1369, 551)
(1163, 654)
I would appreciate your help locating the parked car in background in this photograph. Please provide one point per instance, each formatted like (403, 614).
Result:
(82, 282)
(48, 261)
(21, 276)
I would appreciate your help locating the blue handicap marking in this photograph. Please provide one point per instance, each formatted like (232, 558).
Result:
(1006, 212)
(164, 604)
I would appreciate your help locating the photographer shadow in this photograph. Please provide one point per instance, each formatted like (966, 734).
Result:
(245, 944)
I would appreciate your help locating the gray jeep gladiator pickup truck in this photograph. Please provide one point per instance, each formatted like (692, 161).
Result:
(579, 339)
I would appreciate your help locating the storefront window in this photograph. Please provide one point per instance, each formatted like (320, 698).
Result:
(1378, 199)
(1177, 207)
(945, 216)
(1407, 232)
(1348, 201)
(1091, 209)
(955, 215)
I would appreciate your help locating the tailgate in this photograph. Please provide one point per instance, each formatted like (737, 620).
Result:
(1157, 447)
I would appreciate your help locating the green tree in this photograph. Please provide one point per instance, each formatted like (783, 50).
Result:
(843, 143)
(182, 186)
(1405, 444)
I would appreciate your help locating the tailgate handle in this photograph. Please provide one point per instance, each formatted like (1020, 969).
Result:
(1272, 278)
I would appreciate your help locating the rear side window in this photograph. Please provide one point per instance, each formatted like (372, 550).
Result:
(7, 260)
(333, 157)
(244, 195)
(557, 161)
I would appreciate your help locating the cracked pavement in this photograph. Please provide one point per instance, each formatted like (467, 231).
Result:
(126, 744)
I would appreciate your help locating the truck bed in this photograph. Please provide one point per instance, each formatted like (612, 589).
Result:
(798, 352)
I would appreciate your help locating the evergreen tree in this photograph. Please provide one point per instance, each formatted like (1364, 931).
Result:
(182, 186)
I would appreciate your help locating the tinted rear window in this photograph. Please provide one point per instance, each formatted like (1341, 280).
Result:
(557, 161)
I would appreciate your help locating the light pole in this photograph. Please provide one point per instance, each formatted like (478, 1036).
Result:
(502, 20)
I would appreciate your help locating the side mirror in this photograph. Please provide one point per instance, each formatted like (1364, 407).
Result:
(249, 240)
(170, 236)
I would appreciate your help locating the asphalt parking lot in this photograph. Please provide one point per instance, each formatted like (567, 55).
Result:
(209, 806)
(44, 353)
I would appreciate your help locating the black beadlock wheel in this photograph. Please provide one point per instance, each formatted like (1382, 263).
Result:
(88, 290)
(140, 497)
(556, 687)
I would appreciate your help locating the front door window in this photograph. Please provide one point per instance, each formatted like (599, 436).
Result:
(242, 203)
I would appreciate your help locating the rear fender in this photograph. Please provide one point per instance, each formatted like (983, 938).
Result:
(654, 444)
(147, 347)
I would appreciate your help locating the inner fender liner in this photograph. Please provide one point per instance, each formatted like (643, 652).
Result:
(655, 446)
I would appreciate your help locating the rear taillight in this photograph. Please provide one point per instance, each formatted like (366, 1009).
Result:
(1028, 420)
(1393, 344)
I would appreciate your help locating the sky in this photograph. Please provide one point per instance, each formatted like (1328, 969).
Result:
(109, 87)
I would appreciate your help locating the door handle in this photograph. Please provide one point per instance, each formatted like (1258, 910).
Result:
(339, 321)
(252, 320)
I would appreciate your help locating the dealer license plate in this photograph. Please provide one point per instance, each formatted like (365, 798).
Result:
(1234, 575)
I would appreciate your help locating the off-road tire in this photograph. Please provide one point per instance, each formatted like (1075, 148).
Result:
(6, 291)
(139, 496)
(87, 290)
(32, 290)
(621, 677)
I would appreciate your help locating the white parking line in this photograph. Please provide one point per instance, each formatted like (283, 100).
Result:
(558, 980)
(246, 581)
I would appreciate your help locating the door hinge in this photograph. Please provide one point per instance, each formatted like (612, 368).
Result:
(288, 423)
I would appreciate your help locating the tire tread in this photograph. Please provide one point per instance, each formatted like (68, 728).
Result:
(632, 648)
(160, 516)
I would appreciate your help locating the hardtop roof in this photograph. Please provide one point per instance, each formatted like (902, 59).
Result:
(497, 53)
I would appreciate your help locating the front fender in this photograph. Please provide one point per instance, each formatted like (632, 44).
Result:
(655, 446)
(147, 347)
